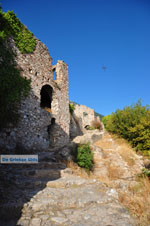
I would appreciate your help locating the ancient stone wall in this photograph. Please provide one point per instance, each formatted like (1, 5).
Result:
(45, 112)
(82, 117)
(75, 126)
(85, 113)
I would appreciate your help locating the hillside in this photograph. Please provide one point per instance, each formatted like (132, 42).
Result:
(118, 166)
(56, 192)
(53, 194)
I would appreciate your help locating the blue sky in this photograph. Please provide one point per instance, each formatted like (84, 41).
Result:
(90, 34)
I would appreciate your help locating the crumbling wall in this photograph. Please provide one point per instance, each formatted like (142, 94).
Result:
(82, 117)
(42, 124)
(75, 126)
(86, 114)
(60, 106)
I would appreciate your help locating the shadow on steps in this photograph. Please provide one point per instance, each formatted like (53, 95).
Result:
(20, 182)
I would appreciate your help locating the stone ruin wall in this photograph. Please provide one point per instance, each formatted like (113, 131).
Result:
(86, 114)
(82, 116)
(40, 129)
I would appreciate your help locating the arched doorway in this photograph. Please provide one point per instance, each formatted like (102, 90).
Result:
(46, 96)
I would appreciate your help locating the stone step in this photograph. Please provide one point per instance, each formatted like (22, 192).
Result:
(45, 165)
(52, 165)
(30, 183)
(41, 170)
(29, 176)
(49, 173)
(14, 213)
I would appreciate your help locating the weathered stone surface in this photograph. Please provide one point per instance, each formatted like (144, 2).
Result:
(90, 136)
(81, 119)
(35, 130)
(147, 163)
(77, 201)
(75, 126)
(61, 198)
(109, 165)
(85, 113)
(66, 153)
(35, 222)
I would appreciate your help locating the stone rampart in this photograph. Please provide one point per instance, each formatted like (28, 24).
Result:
(44, 114)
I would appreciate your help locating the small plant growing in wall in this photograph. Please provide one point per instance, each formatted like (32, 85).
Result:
(84, 156)
(71, 108)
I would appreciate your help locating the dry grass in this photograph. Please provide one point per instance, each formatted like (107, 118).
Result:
(48, 109)
(114, 172)
(137, 200)
(126, 151)
(137, 197)
(79, 171)
(105, 142)
(121, 146)
(89, 175)
(127, 155)
(97, 124)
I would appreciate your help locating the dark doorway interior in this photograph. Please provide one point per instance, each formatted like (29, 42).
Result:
(46, 96)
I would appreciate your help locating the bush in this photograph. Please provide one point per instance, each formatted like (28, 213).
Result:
(71, 108)
(11, 26)
(133, 124)
(145, 173)
(84, 156)
(105, 120)
(12, 85)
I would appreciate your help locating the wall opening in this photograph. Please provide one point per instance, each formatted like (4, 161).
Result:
(46, 96)
(54, 75)
(53, 121)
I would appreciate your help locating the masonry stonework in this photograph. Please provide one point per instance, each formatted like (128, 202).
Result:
(82, 116)
(86, 114)
(44, 121)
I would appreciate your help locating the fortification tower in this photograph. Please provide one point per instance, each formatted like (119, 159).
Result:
(45, 118)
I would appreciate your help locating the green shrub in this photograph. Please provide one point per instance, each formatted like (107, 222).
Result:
(11, 26)
(12, 85)
(133, 124)
(84, 156)
(105, 120)
(145, 173)
(71, 108)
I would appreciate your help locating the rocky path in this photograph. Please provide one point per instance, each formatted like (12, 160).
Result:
(49, 194)
(73, 201)
(116, 163)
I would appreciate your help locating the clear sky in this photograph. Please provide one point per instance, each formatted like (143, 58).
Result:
(90, 35)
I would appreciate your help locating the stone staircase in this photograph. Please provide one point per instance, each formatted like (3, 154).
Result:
(113, 164)
(74, 201)
(48, 194)
(19, 182)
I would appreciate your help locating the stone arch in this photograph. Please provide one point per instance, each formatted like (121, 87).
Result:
(46, 96)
